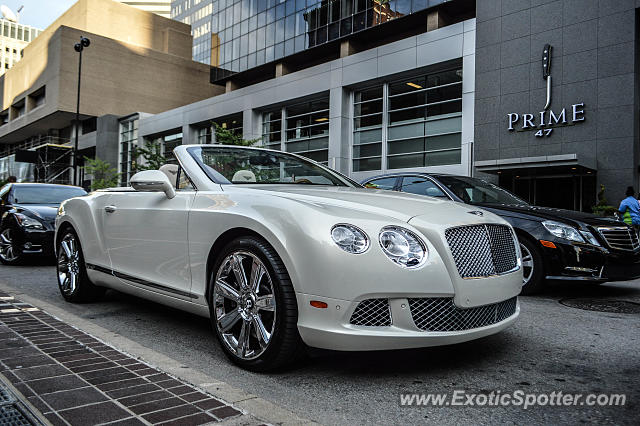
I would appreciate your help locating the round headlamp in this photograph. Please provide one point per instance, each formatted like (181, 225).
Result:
(402, 246)
(350, 238)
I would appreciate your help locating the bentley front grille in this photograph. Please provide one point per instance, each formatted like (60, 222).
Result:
(441, 314)
(482, 250)
(620, 237)
(372, 313)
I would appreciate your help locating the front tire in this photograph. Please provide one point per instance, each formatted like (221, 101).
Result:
(73, 280)
(253, 306)
(10, 252)
(532, 267)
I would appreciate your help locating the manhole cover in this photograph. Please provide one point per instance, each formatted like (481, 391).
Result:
(603, 305)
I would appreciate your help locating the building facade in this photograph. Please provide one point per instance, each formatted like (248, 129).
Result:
(134, 55)
(159, 7)
(375, 98)
(13, 38)
(555, 140)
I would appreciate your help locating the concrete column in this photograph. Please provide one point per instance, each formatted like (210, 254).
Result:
(229, 86)
(251, 124)
(339, 129)
(347, 48)
(436, 19)
(281, 69)
(188, 134)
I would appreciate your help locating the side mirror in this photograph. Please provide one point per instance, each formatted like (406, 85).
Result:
(153, 181)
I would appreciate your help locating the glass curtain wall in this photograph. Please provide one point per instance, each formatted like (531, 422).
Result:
(306, 129)
(249, 33)
(418, 121)
(233, 122)
(128, 140)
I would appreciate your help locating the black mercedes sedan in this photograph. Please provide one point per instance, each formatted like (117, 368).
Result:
(28, 212)
(556, 244)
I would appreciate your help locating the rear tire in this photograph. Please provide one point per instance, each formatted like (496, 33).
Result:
(532, 267)
(253, 306)
(73, 281)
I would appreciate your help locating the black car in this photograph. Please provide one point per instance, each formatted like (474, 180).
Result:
(28, 212)
(556, 244)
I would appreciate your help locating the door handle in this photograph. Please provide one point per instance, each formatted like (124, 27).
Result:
(110, 209)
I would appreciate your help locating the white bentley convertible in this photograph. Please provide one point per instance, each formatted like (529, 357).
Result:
(281, 252)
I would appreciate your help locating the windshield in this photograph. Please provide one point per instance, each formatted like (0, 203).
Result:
(477, 191)
(240, 165)
(46, 194)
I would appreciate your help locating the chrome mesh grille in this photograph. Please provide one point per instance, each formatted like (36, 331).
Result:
(482, 250)
(441, 314)
(372, 313)
(620, 237)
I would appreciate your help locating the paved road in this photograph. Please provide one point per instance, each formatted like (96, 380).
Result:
(551, 348)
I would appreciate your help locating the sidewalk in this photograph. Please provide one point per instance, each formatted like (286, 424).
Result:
(71, 378)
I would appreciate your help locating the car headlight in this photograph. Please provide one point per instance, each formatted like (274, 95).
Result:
(402, 246)
(561, 230)
(28, 222)
(590, 238)
(350, 238)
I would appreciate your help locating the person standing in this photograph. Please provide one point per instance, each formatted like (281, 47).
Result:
(630, 209)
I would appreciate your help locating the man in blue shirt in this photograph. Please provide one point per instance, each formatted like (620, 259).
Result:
(630, 208)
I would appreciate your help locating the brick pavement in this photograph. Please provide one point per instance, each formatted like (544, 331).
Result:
(72, 378)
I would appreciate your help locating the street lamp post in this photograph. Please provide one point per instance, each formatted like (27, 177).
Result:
(79, 47)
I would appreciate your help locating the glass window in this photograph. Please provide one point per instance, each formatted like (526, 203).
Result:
(271, 129)
(44, 194)
(251, 166)
(425, 121)
(383, 183)
(307, 129)
(421, 186)
(367, 124)
(128, 142)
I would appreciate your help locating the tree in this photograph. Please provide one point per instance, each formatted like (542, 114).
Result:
(104, 176)
(152, 155)
(603, 208)
(229, 137)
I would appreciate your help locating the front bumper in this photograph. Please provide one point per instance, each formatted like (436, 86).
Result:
(37, 242)
(330, 328)
(589, 264)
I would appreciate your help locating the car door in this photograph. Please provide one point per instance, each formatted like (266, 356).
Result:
(146, 236)
(422, 185)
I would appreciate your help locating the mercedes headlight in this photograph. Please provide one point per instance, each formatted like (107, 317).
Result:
(28, 222)
(350, 238)
(590, 238)
(402, 246)
(561, 230)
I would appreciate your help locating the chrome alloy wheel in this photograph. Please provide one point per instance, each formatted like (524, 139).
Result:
(7, 250)
(68, 264)
(245, 304)
(527, 265)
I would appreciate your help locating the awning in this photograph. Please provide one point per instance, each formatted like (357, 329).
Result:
(531, 165)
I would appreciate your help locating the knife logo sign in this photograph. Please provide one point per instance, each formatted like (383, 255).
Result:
(546, 72)
(543, 122)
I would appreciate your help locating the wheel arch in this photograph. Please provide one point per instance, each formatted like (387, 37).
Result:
(522, 234)
(225, 238)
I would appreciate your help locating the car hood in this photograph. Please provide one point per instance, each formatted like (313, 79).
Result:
(548, 213)
(47, 212)
(401, 206)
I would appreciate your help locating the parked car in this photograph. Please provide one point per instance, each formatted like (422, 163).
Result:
(556, 244)
(28, 212)
(280, 251)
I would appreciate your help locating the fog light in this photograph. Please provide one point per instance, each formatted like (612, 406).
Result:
(28, 246)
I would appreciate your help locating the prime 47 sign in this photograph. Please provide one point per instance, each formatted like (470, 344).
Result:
(546, 119)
